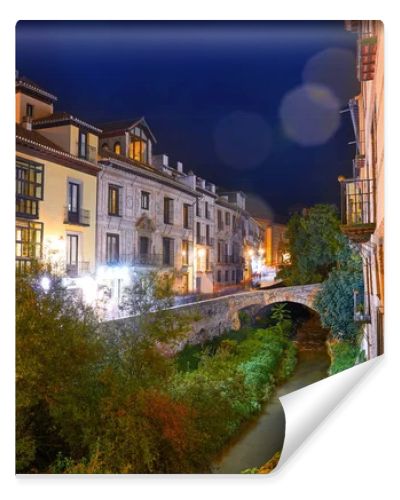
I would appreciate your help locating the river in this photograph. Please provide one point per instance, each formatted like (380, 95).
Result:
(260, 438)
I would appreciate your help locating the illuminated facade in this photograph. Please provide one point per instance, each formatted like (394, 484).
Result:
(56, 183)
(363, 195)
(145, 211)
(102, 208)
(237, 239)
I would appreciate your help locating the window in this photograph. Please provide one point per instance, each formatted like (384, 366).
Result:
(207, 210)
(168, 211)
(168, 251)
(233, 275)
(227, 218)
(82, 144)
(220, 221)
(198, 209)
(139, 146)
(29, 110)
(233, 222)
(29, 188)
(226, 275)
(72, 253)
(208, 239)
(219, 276)
(112, 249)
(73, 201)
(144, 249)
(186, 216)
(219, 251)
(117, 148)
(185, 252)
(198, 232)
(28, 240)
(113, 200)
(145, 200)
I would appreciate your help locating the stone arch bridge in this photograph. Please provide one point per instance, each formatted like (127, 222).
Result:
(213, 316)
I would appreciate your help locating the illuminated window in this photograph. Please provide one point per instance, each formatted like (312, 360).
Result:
(117, 148)
(28, 242)
(113, 200)
(29, 188)
(185, 252)
(139, 146)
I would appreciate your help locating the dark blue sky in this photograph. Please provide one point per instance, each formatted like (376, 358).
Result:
(212, 92)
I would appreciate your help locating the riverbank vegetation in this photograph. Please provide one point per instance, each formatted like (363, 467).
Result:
(320, 253)
(344, 354)
(108, 398)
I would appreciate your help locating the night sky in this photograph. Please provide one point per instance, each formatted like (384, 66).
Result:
(247, 105)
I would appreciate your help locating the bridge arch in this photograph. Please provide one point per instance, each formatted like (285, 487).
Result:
(221, 313)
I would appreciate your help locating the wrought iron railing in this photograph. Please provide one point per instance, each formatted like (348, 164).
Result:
(86, 152)
(357, 201)
(200, 240)
(79, 217)
(75, 270)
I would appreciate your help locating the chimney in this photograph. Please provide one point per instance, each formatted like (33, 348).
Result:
(179, 167)
(27, 122)
(160, 161)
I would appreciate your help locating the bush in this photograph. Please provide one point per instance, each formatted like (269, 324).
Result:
(344, 355)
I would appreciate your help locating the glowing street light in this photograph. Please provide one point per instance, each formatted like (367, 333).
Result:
(45, 283)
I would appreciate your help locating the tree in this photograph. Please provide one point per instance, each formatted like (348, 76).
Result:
(58, 359)
(313, 242)
(334, 302)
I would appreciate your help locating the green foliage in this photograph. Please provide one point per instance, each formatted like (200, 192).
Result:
(105, 398)
(230, 385)
(58, 359)
(313, 241)
(280, 313)
(334, 302)
(344, 355)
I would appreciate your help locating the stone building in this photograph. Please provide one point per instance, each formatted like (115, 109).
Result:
(363, 194)
(56, 182)
(145, 210)
(237, 241)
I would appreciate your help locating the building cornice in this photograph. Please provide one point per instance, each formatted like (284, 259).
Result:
(146, 172)
(33, 148)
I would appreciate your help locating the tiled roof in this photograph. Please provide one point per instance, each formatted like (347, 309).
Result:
(44, 148)
(122, 125)
(62, 117)
(32, 135)
(29, 85)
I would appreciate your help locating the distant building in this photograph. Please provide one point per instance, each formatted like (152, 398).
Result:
(362, 207)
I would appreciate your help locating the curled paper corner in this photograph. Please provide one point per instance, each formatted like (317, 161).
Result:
(306, 408)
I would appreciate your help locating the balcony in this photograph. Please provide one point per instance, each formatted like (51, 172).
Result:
(86, 152)
(200, 240)
(210, 242)
(149, 259)
(366, 56)
(357, 208)
(75, 270)
(79, 218)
